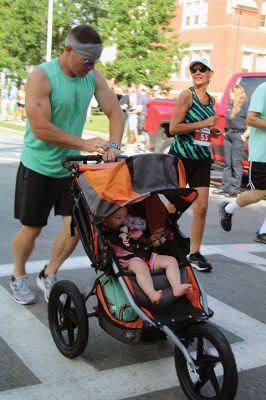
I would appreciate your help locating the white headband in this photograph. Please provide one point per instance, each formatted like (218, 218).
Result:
(92, 51)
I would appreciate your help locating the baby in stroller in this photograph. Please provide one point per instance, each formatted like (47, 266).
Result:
(133, 250)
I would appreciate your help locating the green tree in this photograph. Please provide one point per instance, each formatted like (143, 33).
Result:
(147, 48)
(21, 34)
(23, 29)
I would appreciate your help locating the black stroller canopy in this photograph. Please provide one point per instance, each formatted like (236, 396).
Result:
(107, 187)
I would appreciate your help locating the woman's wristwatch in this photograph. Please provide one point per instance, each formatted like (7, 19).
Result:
(115, 146)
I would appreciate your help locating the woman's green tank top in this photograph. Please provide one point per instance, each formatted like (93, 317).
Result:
(70, 99)
(183, 145)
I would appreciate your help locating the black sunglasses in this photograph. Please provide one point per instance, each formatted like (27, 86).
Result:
(200, 69)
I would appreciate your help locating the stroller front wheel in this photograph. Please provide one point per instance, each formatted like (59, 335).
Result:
(215, 362)
(68, 319)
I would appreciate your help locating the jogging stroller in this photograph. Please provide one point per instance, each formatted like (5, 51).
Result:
(153, 187)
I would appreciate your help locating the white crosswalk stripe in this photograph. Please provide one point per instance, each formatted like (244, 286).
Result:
(239, 252)
(63, 378)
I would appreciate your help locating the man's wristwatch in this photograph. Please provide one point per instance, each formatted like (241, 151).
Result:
(115, 146)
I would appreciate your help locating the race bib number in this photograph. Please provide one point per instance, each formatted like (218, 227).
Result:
(202, 137)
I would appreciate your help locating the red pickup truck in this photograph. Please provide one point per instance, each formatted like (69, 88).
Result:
(159, 114)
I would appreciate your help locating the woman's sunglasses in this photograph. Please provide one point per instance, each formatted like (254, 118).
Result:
(200, 69)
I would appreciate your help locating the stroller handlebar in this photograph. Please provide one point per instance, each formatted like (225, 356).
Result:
(69, 161)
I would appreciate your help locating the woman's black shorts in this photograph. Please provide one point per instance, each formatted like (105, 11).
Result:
(37, 194)
(257, 175)
(198, 172)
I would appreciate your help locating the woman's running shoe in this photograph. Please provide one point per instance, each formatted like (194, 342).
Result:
(199, 262)
(260, 237)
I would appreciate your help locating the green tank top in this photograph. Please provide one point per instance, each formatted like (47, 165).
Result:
(184, 145)
(70, 99)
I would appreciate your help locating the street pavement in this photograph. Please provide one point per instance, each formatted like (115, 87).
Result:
(31, 366)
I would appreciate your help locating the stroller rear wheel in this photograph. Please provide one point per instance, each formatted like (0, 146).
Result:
(68, 319)
(213, 357)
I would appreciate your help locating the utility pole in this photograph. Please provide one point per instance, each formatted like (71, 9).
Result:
(49, 31)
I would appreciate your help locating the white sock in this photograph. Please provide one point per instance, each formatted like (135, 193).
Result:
(263, 227)
(231, 207)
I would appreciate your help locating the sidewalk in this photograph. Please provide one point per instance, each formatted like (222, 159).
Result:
(87, 134)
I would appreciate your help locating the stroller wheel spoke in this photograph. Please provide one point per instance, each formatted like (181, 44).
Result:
(214, 380)
(67, 303)
(70, 333)
(199, 349)
(71, 317)
(201, 382)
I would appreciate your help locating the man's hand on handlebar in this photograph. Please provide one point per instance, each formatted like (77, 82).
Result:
(101, 146)
(95, 145)
(110, 155)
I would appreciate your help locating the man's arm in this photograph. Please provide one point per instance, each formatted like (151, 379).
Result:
(38, 109)
(255, 120)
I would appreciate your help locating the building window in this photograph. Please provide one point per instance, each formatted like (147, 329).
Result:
(247, 62)
(195, 13)
(261, 63)
(263, 21)
(184, 70)
(263, 15)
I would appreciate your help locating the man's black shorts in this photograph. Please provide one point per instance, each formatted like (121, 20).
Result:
(198, 172)
(37, 194)
(257, 175)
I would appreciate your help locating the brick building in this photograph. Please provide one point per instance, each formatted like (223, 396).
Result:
(230, 33)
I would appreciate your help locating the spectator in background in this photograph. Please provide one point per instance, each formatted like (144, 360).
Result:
(142, 102)
(133, 112)
(236, 134)
(256, 118)
(21, 102)
(4, 103)
(124, 102)
(13, 101)
(157, 92)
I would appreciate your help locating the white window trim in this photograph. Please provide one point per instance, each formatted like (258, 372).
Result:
(202, 15)
(254, 50)
(199, 47)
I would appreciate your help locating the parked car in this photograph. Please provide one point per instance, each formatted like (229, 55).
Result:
(160, 111)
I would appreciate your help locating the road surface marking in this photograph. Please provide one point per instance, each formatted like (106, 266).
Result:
(33, 344)
(238, 252)
(63, 378)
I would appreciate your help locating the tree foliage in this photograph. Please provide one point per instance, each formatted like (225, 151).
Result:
(23, 29)
(147, 47)
(140, 29)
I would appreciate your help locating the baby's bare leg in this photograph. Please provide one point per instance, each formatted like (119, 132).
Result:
(144, 279)
(173, 274)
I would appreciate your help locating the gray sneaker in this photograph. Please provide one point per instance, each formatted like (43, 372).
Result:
(21, 290)
(45, 283)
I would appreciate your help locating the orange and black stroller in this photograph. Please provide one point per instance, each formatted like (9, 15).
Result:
(152, 186)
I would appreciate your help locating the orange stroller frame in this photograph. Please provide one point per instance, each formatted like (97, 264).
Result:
(204, 361)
